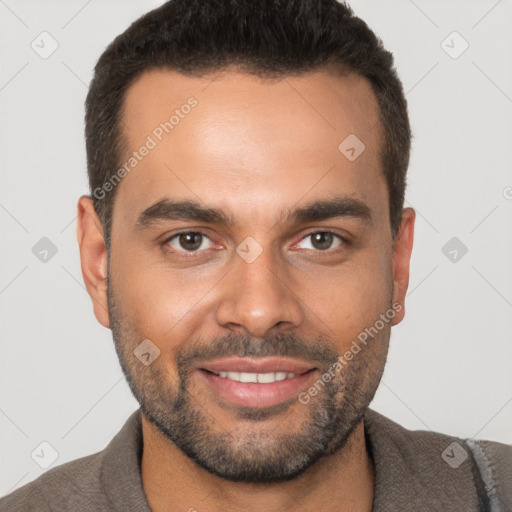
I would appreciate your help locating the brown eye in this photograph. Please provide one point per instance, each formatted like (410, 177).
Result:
(190, 241)
(322, 240)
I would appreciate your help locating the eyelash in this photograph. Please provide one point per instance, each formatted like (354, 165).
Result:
(194, 254)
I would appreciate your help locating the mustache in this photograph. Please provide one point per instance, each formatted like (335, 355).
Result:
(316, 350)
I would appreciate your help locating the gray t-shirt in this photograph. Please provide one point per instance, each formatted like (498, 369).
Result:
(414, 471)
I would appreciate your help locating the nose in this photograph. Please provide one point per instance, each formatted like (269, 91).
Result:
(258, 297)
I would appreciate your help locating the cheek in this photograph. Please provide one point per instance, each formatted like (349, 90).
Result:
(351, 297)
(162, 303)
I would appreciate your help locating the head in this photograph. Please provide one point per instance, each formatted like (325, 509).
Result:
(247, 164)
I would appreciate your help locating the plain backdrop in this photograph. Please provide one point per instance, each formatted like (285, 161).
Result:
(450, 361)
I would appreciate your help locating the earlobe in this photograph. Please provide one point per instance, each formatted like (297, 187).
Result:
(93, 257)
(402, 245)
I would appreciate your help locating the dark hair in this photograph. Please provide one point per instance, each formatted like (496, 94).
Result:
(268, 38)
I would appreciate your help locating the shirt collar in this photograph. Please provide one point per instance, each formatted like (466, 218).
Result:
(121, 469)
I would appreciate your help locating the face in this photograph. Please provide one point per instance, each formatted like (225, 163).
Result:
(250, 258)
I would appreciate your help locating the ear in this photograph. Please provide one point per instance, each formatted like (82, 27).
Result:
(93, 257)
(402, 249)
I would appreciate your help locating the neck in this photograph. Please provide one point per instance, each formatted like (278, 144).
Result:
(343, 481)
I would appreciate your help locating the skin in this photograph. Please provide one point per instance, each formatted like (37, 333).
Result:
(251, 147)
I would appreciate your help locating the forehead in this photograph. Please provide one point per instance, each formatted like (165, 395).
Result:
(234, 139)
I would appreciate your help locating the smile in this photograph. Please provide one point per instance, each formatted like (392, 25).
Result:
(255, 381)
(260, 378)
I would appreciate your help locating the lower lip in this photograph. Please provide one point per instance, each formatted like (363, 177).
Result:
(252, 394)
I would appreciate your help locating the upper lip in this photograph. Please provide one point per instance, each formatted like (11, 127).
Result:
(257, 365)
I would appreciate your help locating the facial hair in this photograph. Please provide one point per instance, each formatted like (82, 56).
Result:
(251, 455)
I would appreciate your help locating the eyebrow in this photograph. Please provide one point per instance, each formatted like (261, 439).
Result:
(336, 207)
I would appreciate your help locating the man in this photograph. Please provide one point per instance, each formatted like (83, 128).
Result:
(245, 240)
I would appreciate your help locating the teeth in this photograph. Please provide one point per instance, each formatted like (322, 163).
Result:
(261, 378)
(266, 378)
(248, 377)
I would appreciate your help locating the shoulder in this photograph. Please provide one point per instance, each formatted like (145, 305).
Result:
(397, 434)
(494, 461)
(75, 485)
(439, 461)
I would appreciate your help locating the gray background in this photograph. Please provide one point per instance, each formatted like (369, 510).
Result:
(449, 367)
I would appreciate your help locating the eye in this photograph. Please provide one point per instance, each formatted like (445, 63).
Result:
(323, 241)
(189, 242)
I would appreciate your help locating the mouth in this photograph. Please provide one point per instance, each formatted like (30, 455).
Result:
(260, 378)
(256, 382)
